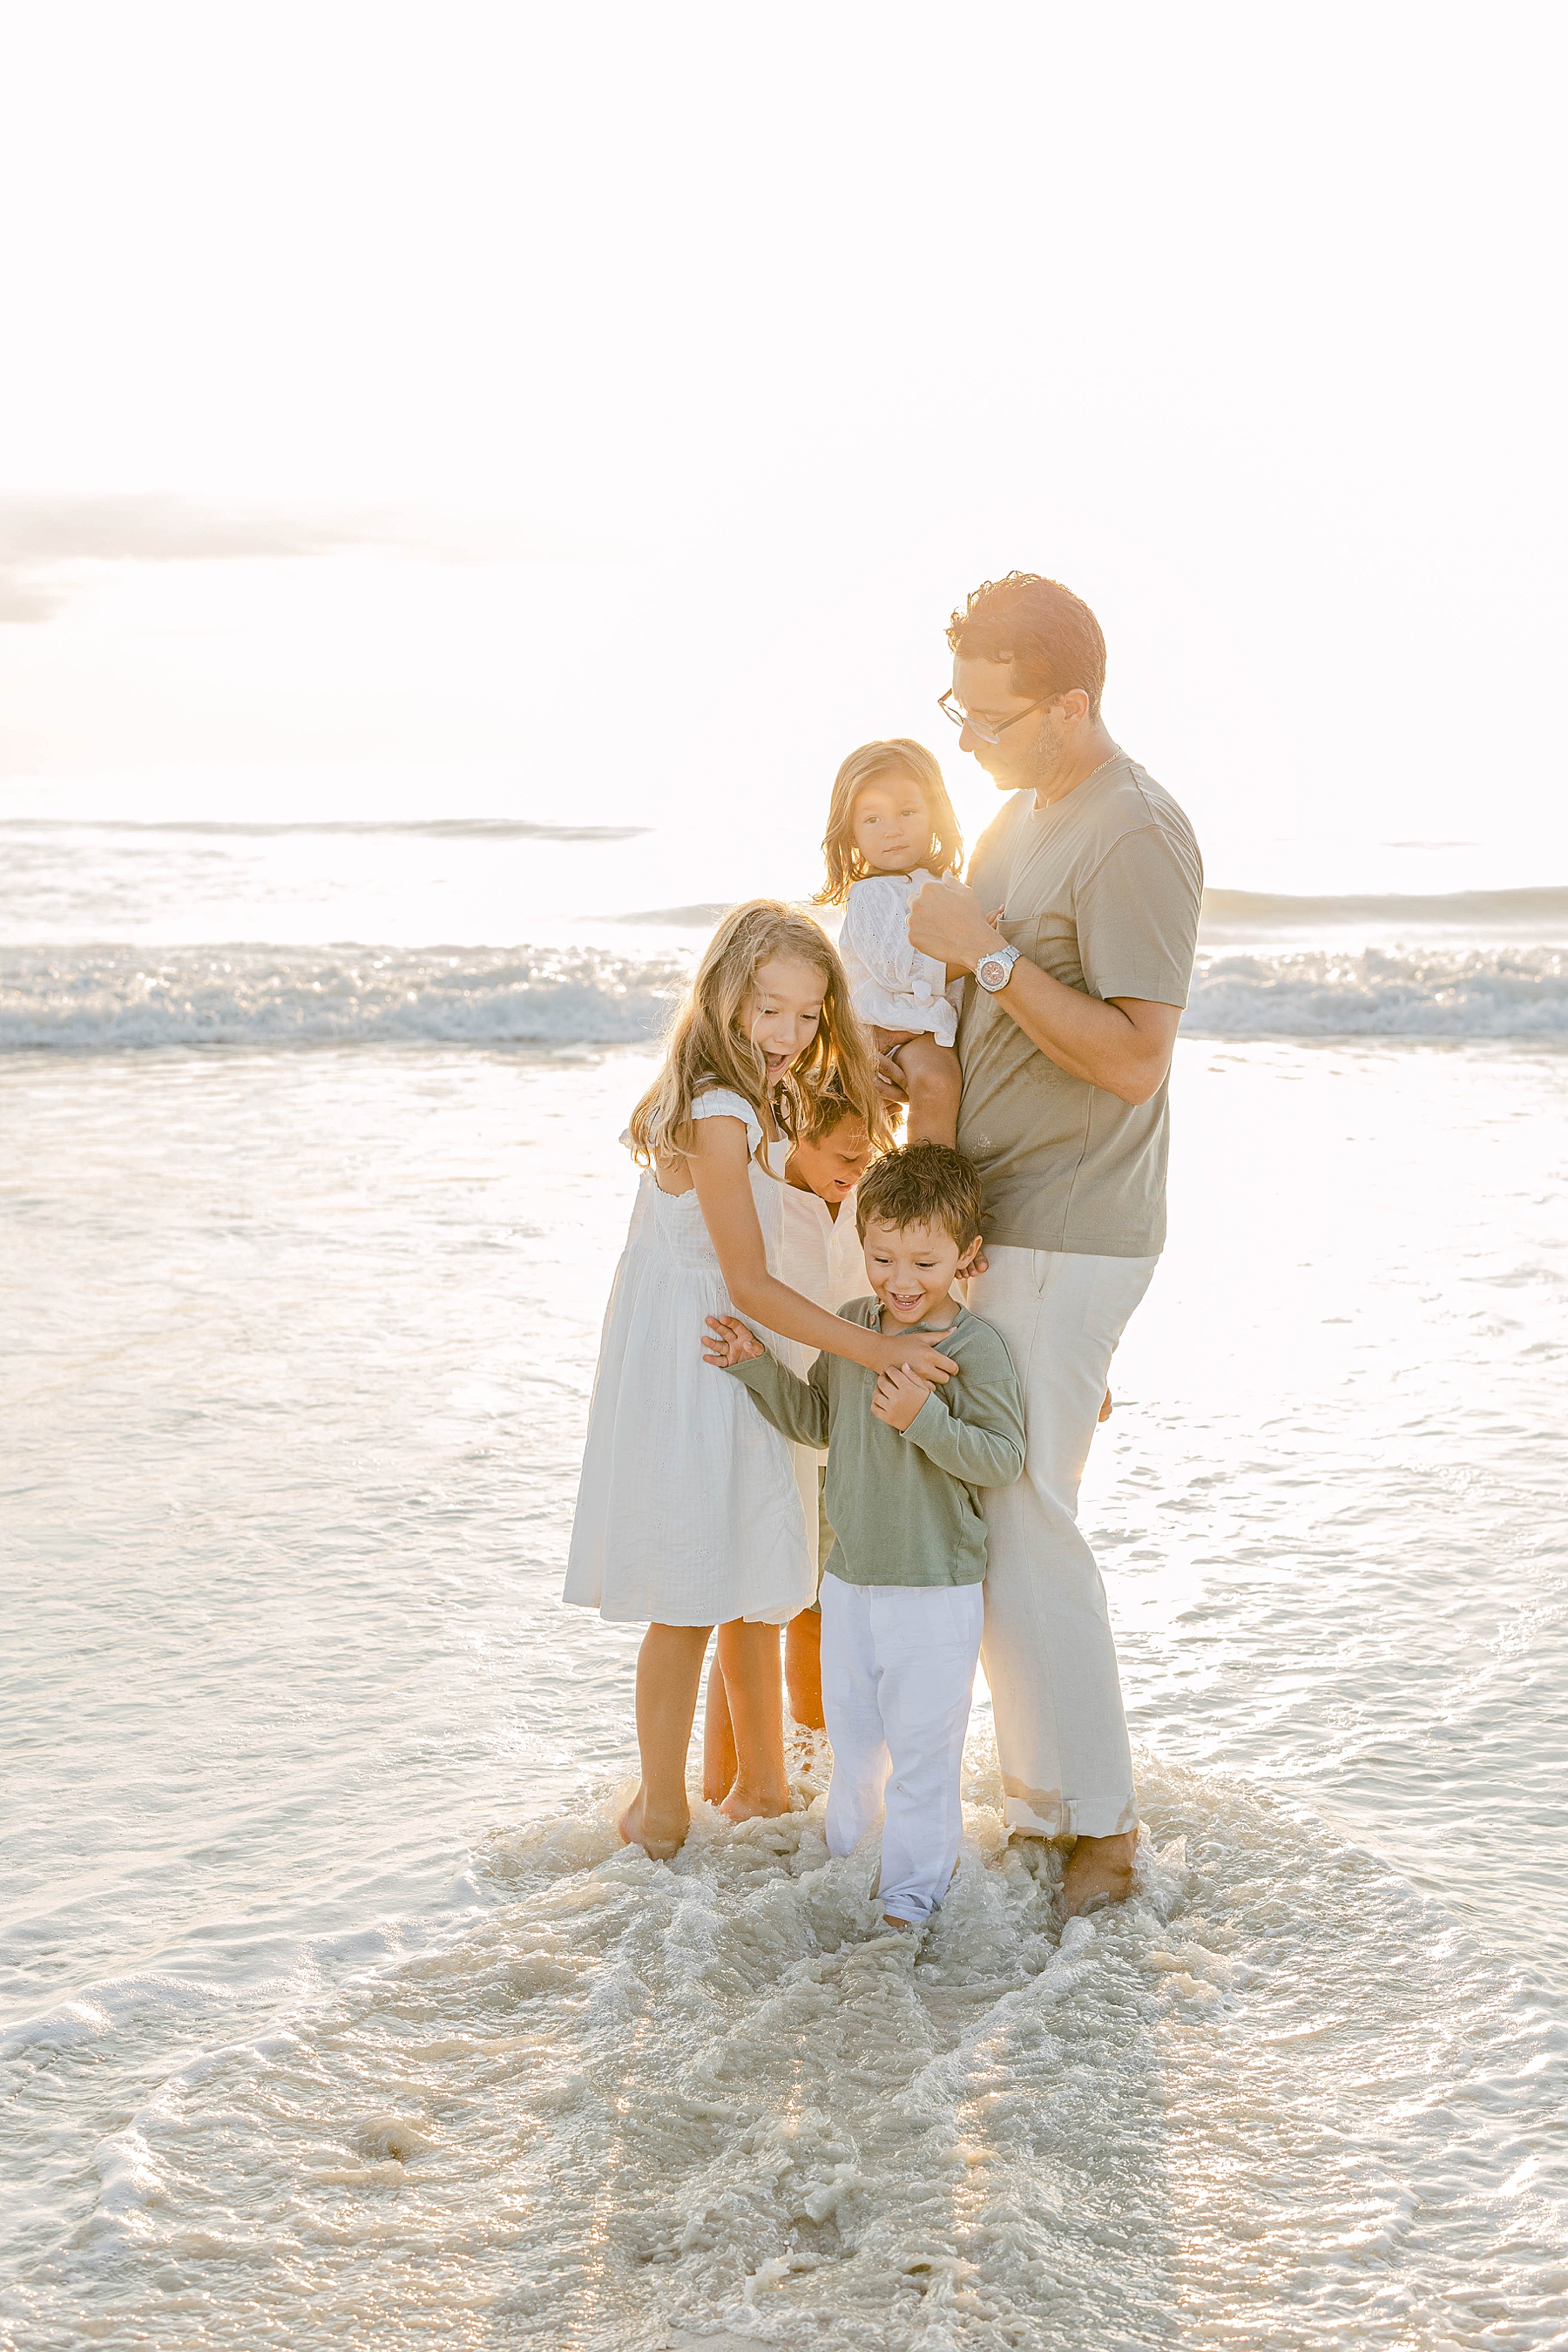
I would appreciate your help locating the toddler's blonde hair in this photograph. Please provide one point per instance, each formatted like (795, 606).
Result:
(896, 756)
(707, 1047)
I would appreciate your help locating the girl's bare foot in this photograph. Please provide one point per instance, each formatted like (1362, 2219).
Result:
(660, 1835)
(747, 1803)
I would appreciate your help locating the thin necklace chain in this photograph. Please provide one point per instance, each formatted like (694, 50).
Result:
(1082, 780)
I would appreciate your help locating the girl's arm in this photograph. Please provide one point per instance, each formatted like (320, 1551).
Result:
(719, 1168)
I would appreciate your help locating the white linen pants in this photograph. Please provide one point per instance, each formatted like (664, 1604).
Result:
(898, 1674)
(1061, 1733)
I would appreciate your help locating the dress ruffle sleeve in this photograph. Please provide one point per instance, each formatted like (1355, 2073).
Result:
(719, 1103)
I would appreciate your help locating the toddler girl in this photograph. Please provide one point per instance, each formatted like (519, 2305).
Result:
(688, 1512)
(891, 828)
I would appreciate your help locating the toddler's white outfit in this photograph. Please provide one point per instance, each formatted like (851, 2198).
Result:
(688, 1509)
(891, 984)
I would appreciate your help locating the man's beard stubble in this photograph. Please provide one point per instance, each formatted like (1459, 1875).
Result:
(1042, 758)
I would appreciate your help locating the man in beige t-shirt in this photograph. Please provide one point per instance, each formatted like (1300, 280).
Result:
(1078, 924)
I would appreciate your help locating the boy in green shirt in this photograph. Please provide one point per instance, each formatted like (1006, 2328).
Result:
(902, 1604)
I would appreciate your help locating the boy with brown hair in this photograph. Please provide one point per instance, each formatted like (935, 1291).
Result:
(901, 1592)
(820, 1255)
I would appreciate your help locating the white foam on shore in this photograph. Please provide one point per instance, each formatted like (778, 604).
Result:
(108, 999)
(1276, 2100)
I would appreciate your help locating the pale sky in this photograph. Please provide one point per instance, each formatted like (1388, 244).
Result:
(483, 409)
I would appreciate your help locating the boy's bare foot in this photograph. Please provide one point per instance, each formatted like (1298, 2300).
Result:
(745, 1803)
(891, 1919)
(1099, 1870)
(660, 1835)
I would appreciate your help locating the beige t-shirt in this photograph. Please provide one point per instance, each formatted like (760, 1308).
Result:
(1101, 890)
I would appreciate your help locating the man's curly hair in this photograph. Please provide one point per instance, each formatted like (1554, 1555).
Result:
(1049, 636)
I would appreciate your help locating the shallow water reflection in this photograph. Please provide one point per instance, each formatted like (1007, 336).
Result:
(332, 2010)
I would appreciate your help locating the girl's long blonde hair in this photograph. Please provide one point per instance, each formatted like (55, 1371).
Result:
(708, 1047)
(897, 756)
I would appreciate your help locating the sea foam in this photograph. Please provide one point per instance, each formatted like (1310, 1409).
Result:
(103, 999)
(642, 2105)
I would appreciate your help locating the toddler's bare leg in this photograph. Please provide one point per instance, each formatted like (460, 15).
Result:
(669, 1666)
(802, 1668)
(886, 1043)
(750, 1658)
(932, 1075)
(718, 1738)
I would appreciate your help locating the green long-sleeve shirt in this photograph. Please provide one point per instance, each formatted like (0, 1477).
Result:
(902, 1503)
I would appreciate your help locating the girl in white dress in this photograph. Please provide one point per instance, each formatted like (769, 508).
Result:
(688, 1511)
(890, 829)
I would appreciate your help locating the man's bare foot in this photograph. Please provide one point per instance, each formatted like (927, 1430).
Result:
(1099, 1870)
(660, 1835)
(891, 1919)
(746, 1803)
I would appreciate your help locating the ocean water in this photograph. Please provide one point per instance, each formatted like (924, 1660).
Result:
(331, 2013)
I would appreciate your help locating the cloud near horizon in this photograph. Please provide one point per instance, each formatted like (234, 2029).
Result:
(44, 540)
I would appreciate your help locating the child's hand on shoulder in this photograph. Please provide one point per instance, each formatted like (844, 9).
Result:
(899, 1396)
(727, 1342)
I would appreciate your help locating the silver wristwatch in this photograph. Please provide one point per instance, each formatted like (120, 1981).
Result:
(994, 969)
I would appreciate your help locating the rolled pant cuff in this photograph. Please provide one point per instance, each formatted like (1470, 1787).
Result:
(1037, 1816)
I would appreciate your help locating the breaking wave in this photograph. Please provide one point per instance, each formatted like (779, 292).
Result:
(1486, 993)
(104, 999)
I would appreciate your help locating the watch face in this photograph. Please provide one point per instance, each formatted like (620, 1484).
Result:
(992, 970)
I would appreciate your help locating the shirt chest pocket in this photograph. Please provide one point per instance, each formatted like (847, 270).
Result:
(1050, 940)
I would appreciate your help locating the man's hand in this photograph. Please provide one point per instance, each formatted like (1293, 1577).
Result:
(899, 1396)
(1123, 1043)
(727, 1342)
(948, 921)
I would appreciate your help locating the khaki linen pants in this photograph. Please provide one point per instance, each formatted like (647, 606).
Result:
(1061, 1734)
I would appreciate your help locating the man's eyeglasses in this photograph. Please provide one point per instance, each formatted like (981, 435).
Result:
(951, 708)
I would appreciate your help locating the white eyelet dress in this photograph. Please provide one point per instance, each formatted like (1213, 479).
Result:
(891, 984)
(688, 1509)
